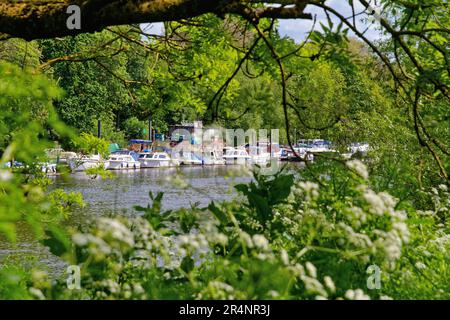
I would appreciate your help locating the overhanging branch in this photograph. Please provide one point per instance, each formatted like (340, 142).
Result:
(36, 19)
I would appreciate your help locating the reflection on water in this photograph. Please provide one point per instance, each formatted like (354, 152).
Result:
(182, 187)
(29, 253)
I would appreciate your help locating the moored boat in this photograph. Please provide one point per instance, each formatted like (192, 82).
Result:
(236, 156)
(156, 160)
(60, 156)
(122, 162)
(259, 155)
(212, 157)
(188, 158)
(86, 162)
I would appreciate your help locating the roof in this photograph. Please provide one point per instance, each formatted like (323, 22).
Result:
(138, 141)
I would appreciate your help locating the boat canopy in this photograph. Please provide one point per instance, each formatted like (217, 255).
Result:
(137, 141)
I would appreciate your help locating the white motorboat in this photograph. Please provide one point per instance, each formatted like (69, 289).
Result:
(48, 167)
(122, 162)
(236, 156)
(86, 162)
(357, 147)
(316, 145)
(156, 160)
(212, 157)
(301, 154)
(188, 158)
(60, 156)
(361, 147)
(259, 155)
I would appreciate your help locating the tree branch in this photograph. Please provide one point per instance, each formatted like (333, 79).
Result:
(36, 19)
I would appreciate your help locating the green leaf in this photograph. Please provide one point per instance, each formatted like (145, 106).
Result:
(187, 265)
(57, 241)
(9, 230)
(261, 205)
(242, 188)
(281, 188)
(219, 214)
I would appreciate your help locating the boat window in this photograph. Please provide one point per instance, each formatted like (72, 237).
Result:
(161, 156)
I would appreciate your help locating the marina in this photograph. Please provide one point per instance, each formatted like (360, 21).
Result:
(236, 152)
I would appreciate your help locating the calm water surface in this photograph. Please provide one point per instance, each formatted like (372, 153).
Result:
(182, 187)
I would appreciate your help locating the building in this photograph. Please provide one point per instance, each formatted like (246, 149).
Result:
(191, 132)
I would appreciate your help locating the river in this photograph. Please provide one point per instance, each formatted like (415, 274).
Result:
(182, 187)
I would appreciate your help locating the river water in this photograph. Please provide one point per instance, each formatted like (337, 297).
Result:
(182, 187)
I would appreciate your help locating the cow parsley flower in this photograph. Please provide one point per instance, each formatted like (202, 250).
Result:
(420, 265)
(312, 271)
(357, 294)
(260, 242)
(329, 283)
(359, 167)
(116, 230)
(5, 175)
(245, 237)
(284, 257)
(377, 205)
(310, 188)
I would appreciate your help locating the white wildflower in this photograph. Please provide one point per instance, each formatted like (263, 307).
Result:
(273, 294)
(312, 271)
(184, 239)
(392, 246)
(284, 257)
(389, 201)
(98, 246)
(260, 242)
(221, 239)
(137, 289)
(376, 203)
(80, 239)
(298, 270)
(116, 230)
(310, 188)
(420, 265)
(245, 237)
(312, 285)
(359, 167)
(357, 294)
(360, 295)
(5, 175)
(37, 293)
(402, 230)
(329, 283)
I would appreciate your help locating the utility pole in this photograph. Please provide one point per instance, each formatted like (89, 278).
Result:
(270, 143)
(150, 128)
(99, 128)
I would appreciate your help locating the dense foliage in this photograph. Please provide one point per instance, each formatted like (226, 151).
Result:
(314, 234)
